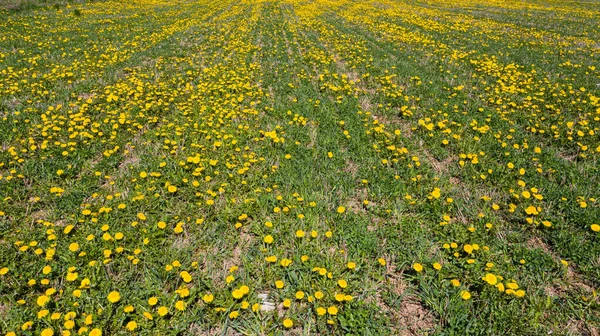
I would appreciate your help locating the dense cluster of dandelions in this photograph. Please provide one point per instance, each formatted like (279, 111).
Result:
(180, 149)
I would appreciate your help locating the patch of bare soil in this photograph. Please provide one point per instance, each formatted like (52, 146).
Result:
(411, 318)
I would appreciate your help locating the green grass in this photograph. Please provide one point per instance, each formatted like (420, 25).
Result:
(402, 168)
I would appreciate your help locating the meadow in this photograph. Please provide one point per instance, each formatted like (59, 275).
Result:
(300, 167)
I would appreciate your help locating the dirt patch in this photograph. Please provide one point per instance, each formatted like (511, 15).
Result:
(196, 329)
(3, 310)
(40, 215)
(582, 328)
(355, 204)
(575, 282)
(554, 291)
(568, 157)
(295, 331)
(536, 242)
(209, 266)
(242, 246)
(365, 104)
(460, 187)
(313, 132)
(181, 242)
(130, 160)
(411, 317)
(405, 128)
(455, 180)
(440, 167)
(414, 319)
(86, 96)
(351, 168)
(353, 76)
(239, 250)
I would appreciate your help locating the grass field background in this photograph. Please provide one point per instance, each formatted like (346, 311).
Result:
(367, 167)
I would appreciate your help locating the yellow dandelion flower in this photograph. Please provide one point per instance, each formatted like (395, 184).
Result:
(114, 297)
(42, 300)
(73, 247)
(237, 294)
(186, 276)
(162, 311)
(208, 298)
(180, 305)
(131, 325)
(95, 332)
(47, 332)
(490, 279)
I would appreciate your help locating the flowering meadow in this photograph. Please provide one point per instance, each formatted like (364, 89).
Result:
(300, 167)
